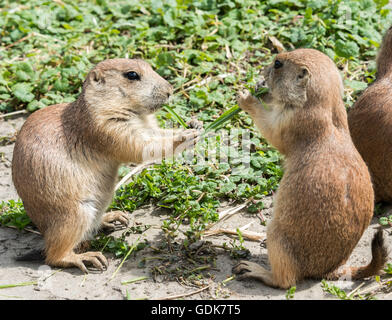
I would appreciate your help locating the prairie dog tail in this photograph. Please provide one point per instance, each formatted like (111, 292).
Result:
(379, 258)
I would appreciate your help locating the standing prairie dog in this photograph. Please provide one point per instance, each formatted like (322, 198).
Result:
(325, 198)
(370, 122)
(67, 156)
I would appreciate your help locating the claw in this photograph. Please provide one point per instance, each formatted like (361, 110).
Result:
(241, 267)
(110, 217)
(252, 270)
(186, 140)
(246, 269)
(195, 124)
(95, 258)
(246, 101)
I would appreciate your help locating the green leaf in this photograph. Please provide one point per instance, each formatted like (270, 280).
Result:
(381, 3)
(385, 221)
(165, 59)
(228, 187)
(346, 49)
(356, 85)
(23, 91)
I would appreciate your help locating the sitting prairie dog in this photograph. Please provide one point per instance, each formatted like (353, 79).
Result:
(325, 198)
(370, 122)
(67, 156)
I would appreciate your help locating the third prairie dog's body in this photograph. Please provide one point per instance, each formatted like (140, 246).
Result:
(370, 122)
(67, 156)
(325, 198)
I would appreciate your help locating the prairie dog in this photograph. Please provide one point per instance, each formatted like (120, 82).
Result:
(67, 156)
(370, 122)
(325, 198)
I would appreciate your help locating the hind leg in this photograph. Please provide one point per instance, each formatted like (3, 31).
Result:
(61, 240)
(284, 273)
(72, 259)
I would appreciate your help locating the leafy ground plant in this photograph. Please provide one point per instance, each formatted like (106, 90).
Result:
(12, 213)
(208, 50)
(341, 294)
(386, 221)
(290, 293)
(48, 47)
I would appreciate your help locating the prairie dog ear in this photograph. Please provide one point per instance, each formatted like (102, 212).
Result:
(98, 76)
(303, 76)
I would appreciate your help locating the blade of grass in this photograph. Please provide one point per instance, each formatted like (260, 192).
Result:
(128, 295)
(22, 284)
(134, 280)
(175, 116)
(228, 279)
(226, 116)
(218, 123)
(10, 297)
(126, 256)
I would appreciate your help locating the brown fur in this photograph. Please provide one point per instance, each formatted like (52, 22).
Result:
(67, 156)
(370, 121)
(325, 198)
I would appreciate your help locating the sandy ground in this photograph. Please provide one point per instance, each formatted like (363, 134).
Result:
(72, 284)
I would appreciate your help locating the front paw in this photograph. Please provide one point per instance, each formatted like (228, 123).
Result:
(195, 124)
(190, 135)
(186, 139)
(246, 101)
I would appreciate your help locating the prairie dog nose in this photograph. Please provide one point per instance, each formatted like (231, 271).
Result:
(169, 90)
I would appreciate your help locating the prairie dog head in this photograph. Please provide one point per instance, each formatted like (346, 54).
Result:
(301, 78)
(123, 88)
(384, 57)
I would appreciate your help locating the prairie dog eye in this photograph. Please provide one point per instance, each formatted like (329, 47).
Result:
(131, 75)
(278, 64)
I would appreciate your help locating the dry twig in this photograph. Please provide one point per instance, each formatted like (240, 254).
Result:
(184, 294)
(13, 113)
(26, 229)
(128, 176)
(250, 235)
(228, 213)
